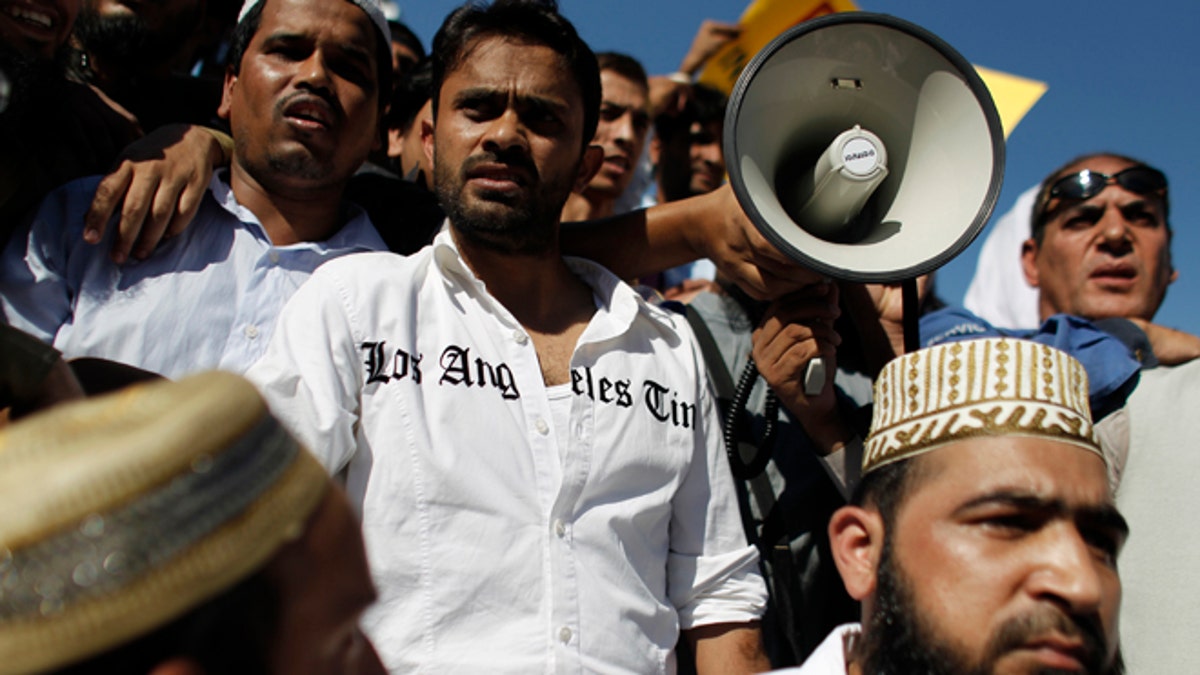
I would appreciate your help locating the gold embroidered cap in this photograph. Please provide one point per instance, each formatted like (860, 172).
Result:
(984, 387)
(122, 513)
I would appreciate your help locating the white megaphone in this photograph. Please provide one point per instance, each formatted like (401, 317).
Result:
(864, 147)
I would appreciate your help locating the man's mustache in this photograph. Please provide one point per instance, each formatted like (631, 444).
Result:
(1021, 631)
(511, 158)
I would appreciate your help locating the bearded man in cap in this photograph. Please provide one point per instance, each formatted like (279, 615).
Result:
(175, 528)
(982, 537)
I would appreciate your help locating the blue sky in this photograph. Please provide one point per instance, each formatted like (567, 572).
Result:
(1123, 77)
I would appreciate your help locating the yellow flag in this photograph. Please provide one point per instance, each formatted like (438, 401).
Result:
(764, 20)
(1014, 95)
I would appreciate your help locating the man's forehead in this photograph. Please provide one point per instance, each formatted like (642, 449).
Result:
(481, 48)
(993, 464)
(1107, 164)
(612, 79)
(295, 13)
(539, 72)
(305, 17)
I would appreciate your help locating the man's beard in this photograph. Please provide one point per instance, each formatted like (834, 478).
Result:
(511, 225)
(127, 43)
(898, 641)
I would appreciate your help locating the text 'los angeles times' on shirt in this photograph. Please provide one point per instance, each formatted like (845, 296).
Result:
(498, 540)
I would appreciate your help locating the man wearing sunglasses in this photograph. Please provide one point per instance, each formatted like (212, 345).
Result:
(1100, 247)
(1101, 243)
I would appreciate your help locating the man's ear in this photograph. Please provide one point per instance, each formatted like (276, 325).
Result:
(856, 539)
(395, 144)
(427, 140)
(655, 150)
(589, 164)
(1029, 251)
(227, 94)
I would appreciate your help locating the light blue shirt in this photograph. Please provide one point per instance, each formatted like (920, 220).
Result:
(205, 299)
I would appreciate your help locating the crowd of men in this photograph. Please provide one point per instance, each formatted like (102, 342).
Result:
(366, 360)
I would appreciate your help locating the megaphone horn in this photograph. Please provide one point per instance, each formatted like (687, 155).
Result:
(864, 147)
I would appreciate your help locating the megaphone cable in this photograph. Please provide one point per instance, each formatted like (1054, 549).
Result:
(737, 423)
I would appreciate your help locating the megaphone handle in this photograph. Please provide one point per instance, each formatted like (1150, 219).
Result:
(814, 377)
(911, 318)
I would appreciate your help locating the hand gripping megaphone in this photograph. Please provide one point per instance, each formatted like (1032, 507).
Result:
(865, 148)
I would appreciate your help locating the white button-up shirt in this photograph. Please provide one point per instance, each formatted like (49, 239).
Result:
(205, 299)
(831, 656)
(501, 539)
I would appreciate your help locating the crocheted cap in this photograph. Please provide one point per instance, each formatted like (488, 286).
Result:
(123, 512)
(987, 387)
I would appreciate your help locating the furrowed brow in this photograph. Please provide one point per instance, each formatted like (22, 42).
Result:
(1106, 517)
(475, 95)
(535, 102)
(1021, 500)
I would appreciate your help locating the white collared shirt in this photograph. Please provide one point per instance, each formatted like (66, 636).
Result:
(500, 541)
(205, 299)
(831, 656)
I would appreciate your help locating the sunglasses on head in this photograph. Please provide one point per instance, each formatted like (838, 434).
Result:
(1086, 184)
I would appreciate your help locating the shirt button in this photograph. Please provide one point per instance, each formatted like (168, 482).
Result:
(564, 634)
(560, 529)
(274, 257)
(251, 331)
(520, 338)
(541, 426)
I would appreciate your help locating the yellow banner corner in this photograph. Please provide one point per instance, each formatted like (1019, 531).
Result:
(1013, 95)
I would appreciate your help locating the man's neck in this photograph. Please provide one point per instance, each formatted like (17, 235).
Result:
(535, 288)
(549, 301)
(289, 216)
(853, 662)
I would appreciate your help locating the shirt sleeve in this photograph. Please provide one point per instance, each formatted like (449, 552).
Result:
(309, 374)
(36, 294)
(712, 572)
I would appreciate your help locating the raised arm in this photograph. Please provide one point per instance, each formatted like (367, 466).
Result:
(708, 226)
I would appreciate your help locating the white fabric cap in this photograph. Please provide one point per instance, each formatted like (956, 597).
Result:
(987, 387)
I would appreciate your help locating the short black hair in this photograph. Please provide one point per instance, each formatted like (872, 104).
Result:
(245, 30)
(705, 105)
(624, 65)
(1040, 216)
(411, 94)
(886, 487)
(532, 21)
(404, 35)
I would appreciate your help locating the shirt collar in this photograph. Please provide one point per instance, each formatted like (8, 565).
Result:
(356, 234)
(617, 305)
